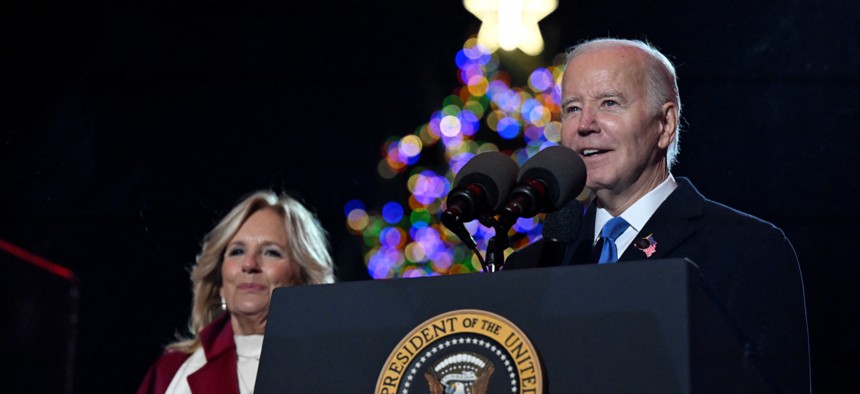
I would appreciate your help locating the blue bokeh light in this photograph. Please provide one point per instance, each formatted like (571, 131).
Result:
(509, 128)
(392, 212)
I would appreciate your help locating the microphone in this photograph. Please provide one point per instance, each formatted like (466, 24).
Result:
(545, 183)
(560, 229)
(480, 187)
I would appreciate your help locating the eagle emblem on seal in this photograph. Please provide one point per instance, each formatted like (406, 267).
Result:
(460, 373)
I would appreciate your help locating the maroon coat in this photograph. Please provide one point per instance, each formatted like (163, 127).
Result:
(218, 375)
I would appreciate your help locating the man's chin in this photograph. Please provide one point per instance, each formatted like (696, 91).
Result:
(596, 184)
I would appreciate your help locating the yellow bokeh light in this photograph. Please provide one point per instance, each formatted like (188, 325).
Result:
(478, 85)
(552, 132)
(357, 220)
(414, 252)
(410, 145)
(493, 119)
(540, 116)
(487, 147)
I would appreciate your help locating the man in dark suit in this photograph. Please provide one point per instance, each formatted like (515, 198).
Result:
(620, 112)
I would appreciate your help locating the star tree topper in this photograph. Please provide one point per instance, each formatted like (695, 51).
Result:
(511, 24)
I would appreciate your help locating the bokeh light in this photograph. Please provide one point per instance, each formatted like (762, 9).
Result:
(449, 126)
(508, 128)
(392, 212)
(541, 80)
(357, 220)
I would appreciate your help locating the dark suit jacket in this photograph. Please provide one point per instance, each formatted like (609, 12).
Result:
(749, 264)
(218, 375)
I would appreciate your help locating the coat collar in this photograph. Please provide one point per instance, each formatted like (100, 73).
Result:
(219, 372)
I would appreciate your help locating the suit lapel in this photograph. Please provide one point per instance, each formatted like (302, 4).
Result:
(669, 226)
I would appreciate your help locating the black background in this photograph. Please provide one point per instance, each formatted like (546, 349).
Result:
(129, 128)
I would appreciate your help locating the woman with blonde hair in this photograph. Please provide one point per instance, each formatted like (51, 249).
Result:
(266, 241)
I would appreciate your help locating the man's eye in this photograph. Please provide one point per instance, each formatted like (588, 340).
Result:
(610, 103)
(570, 109)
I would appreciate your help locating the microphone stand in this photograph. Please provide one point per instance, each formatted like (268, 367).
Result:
(451, 220)
(497, 244)
(496, 250)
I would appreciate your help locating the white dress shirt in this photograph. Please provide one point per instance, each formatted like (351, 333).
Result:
(637, 215)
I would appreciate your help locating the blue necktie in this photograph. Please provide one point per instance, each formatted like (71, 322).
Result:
(611, 230)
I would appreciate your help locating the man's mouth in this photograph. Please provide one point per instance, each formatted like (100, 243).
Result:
(592, 152)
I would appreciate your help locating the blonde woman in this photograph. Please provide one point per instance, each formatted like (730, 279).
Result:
(266, 241)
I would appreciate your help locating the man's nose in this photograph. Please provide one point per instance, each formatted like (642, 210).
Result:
(587, 122)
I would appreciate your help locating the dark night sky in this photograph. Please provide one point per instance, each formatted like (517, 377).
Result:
(130, 128)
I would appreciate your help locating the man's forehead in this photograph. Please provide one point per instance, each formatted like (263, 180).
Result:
(619, 51)
(604, 74)
(623, 58)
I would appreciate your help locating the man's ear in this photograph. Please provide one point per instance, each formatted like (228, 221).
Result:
(668, 124)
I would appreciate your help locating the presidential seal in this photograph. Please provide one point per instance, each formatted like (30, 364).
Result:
(462, 352)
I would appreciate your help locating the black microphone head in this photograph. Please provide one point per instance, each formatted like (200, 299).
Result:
(493, 171)
(561, 169)
(563, 224)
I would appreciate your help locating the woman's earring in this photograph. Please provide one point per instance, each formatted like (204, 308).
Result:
(223, 304)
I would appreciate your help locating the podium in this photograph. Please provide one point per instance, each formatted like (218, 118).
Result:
(640, 327)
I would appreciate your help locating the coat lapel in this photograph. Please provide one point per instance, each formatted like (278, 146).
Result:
(669, 226)
(218, 375)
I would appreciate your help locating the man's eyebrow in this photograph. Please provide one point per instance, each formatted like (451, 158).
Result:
(610, 94)
(565, 102)
(603, 95)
